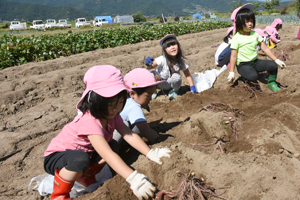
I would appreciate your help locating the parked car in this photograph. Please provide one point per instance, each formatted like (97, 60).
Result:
(50, 23)
(38, 24)
(81, 22)
(16, 25)
(63, 23)
(99, 21)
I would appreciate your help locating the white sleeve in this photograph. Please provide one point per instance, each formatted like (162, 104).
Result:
(159, 60)
(185, 66)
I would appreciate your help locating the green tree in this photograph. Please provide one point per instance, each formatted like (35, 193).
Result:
(269, 5)
(296, 3)
(139, 17)
(257, 4)
(238, 4)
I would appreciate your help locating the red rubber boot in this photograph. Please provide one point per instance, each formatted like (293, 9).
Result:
(61, 188)
(89, 176)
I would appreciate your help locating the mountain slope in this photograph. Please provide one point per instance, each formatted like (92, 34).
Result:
(154, 7)
(26, 11)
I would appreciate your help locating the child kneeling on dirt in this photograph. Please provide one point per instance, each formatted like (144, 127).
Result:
(222, 55)
(84, 145)
(169, 66)
(143, 85)
(243, 49)
(273, 30)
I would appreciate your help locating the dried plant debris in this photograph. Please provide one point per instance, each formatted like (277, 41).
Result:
(192, 188)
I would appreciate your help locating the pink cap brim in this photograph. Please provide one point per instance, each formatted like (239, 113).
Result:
(260, 32)
(107, 92)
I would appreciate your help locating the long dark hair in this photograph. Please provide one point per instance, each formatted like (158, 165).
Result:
(98, 105)
(241, 17)
(171, 59)
(226, 38)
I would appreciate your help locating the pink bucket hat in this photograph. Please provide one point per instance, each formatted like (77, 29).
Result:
(260, 32)
(105, 80)
(229, 29)
(249, 6)
(166, 37)
(269, 30)
(275, 22)
(140, 78)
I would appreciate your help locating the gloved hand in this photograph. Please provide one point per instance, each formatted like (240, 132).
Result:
(230, 77)
(157, 153)
(193, 89)
(280, 63)
(141, 186)
(149, 61)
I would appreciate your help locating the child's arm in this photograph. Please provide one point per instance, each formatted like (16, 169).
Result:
(274, 38)
(232, 65)
(133, 139)
(103, 149)
(150, 63)
(139, 183)
(136, 142)
(146, 131)
(268, 51)
(190, 80)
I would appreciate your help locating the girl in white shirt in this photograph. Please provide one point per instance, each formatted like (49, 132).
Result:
(169, 66)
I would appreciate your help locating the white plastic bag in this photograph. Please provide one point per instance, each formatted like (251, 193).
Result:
(204, 81)
(44, 183)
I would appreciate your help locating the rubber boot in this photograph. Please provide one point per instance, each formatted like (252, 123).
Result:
(89, 176)
(154, 95)
(272, 83)
(298, 37)
(173, 94)
(61, 188)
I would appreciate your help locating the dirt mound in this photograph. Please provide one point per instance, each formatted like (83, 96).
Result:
(236, 137)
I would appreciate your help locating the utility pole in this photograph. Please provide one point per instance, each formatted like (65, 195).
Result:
(163, 18)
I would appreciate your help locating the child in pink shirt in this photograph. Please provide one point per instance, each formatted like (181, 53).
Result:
(83, 146)
(273, 30)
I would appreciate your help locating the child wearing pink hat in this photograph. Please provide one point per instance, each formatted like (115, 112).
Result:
(84, 145)
(143, 85)
(169, 66)
(243, 49)
(273, 30)
(222, 55)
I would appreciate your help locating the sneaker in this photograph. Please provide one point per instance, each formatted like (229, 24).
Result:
(154, 95)
(173, 94)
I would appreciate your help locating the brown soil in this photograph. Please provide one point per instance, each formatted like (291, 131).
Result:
(260, 142)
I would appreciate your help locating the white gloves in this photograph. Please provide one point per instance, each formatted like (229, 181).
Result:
(280, 63)
(230, 77)
(157, 153)
(141, 186)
